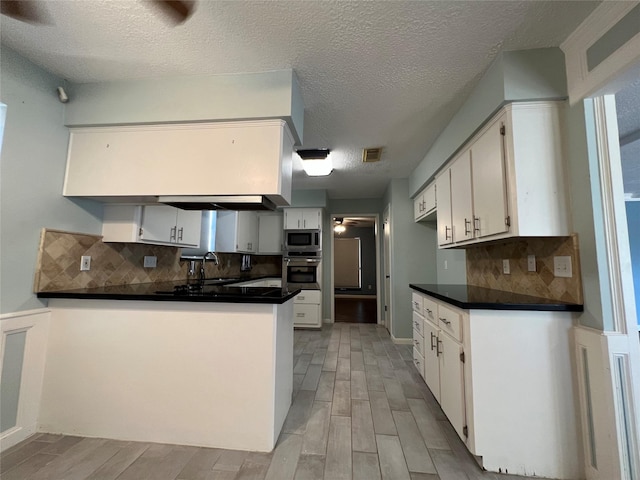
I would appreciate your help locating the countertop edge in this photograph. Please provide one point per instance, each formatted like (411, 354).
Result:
(540, 307)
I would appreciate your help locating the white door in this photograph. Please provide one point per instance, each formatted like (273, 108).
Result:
(451, 382)
(461, 201)
(189, 225)
(159, 224)
(443, 189)
(386, 227)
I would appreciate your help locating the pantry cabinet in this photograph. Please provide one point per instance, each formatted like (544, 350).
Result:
(154, 224)
(509, 180)
(303, 219)
(237, 232)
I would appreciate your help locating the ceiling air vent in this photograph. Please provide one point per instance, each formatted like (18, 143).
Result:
(370, 155)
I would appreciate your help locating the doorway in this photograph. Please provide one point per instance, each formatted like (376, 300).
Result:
(355, 268)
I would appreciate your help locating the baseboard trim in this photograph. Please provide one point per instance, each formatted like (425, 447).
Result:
(340, 295)
(402, 341)
(15, 435)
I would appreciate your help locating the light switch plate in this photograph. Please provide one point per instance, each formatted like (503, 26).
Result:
(150, 261)
(506, 268)
(562, 266)
(531, 263)
(85, 263)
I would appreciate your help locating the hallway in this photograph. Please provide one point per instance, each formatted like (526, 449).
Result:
(360, 411)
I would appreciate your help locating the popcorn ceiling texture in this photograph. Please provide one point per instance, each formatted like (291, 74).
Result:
(484, 267)
(58, 266)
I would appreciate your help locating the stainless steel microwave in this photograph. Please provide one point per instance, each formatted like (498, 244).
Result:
(302, 240)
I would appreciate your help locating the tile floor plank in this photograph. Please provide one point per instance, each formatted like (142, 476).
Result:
(200, 464)
(62, 445)
(285, 458)
(302, 364)
(366, 466)
(359, 386)
(374, 379)
(392, 464)
(343, 371)
(30, 467)
(117, 464)
(310, 467)
(448, 465)
(330, 361)
(19, 455)
(429, 427)
(342, 398)
(357, 361)
(338, 462)
(415, 451)
(395, 396)
(296, 421)
(312, 377)
(75, 455)
(319, 356)
(252, 471)
(383, 423)
(159, 462)
(315, 438)
(363, 437)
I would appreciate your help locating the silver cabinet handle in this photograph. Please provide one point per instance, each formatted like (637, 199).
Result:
(415, 342)
(432, 337)
(430, 311)
(445, 321)
(438, 351)
(172, 233)
(446, 232)
(476, 224)
(467, 231)
(180, 232)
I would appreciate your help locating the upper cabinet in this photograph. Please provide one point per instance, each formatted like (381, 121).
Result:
(424, 205)
(138, 163)
(302, 218)
(508, 181)
(237, 232)
(155, 224)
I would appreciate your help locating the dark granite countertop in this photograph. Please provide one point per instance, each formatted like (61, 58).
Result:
(469, 297)
(214, 290)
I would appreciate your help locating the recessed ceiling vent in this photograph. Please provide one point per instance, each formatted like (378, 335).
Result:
(370, 155)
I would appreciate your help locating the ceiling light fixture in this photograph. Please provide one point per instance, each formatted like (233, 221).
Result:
(339, 229)
(316, 162)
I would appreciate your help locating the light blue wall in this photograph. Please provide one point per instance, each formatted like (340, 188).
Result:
(413, 254)
(189, 98)
(513, 76)
(633, 223)
(452, 266)
(31, 174)
(309, 198)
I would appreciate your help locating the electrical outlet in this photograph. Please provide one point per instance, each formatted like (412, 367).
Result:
(85, 263)
(531, 263)
(150, 261)
(562, 266)
(506, 268)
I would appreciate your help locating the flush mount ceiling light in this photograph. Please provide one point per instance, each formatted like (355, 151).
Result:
(316, 162)
(339, 229)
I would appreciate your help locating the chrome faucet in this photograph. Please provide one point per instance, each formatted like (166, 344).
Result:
(216, 261)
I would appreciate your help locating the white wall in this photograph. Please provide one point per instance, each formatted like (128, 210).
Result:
(31, 175)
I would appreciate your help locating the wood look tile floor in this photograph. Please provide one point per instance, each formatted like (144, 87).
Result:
(360, 412)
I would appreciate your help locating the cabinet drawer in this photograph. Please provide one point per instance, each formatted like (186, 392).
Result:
(416, 303)
(418, 342)
(306, 314)
(418, 323)
(308, 296)
(418, 361)
(450, 322)
(430, 309)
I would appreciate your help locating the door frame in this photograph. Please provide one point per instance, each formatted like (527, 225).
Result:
(376, 231)
(388, 257)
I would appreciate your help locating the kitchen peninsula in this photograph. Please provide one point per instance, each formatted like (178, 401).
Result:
(210, 368)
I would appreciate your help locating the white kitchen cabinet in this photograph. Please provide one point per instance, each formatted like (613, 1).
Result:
(509, 181)
(138, 163)
(445, 227)
(155, 224)
(432, 363)
(424, 205)
(303, 218)
(237, 232)
(307, 311)
(270, 234)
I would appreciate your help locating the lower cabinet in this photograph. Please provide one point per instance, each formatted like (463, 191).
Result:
(307, 309)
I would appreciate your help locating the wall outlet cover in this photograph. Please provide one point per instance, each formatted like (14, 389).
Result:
(562, 266)
(85, 263)
(506, 268)
(531, 263)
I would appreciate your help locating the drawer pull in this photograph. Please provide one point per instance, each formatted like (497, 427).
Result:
(445, 321)
(300, 315)
(438, 351)
(432, 337)
(430, 311)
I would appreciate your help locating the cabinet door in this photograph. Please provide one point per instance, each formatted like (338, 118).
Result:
(307, 315)
(443, 186)
(159, 224)
(189, 223)
(418, 207)
(311, 218)
(270, 233)
(461, 198)
(429, 198)
(292, 218)
(247, 240)
(489, 181)
(452, 382)
(431, 360)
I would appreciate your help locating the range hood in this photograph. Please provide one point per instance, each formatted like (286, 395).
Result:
(218, 202)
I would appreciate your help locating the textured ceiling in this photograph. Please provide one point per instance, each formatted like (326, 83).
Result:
(628, 109)
(372, 73)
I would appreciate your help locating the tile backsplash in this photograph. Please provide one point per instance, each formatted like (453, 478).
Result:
(58, 266)
(484, 267)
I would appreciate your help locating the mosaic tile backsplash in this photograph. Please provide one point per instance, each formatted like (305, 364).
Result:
(58, 266)
(484, 267)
